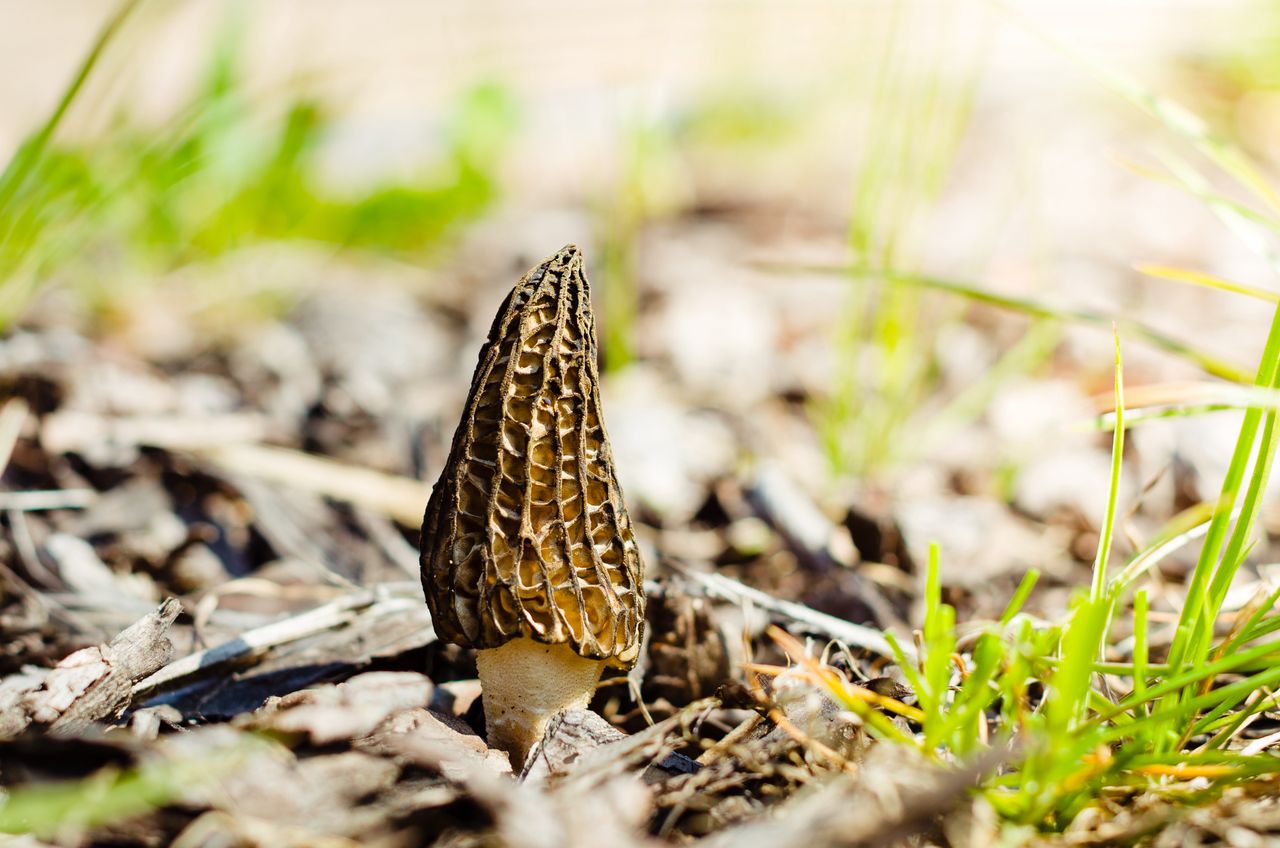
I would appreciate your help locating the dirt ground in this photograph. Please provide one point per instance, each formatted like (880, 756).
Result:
(269, 469)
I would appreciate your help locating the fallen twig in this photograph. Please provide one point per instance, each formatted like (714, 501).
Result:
(91, 684)
(854, 635)
(400, 498)
(35, 501)
(72, 430)
(12, 416)
(390, 597)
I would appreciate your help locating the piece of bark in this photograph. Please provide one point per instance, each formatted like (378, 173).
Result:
(526, 815)
(456, 747)
(346, 711)
(385, 599)
(572, 734)
(569, 735)
(314, 800)
(96, 683)
(14, 691)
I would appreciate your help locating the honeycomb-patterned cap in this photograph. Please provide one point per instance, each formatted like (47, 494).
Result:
(526, 533)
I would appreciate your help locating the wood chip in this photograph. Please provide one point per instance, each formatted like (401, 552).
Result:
(384, 600)
(807, 620)
(96, 683)
(349, 710)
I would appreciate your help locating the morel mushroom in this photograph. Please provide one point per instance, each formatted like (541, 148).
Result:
(527, 550)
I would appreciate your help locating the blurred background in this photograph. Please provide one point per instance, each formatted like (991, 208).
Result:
(859, 269)
(856, 267)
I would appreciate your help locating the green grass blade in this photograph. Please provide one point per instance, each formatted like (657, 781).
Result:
(1182, 529)
(1195, 622)
(1181, 713)
(1070, 682)
(1260, 623)
(1020, 596)
(1113, 495)
(1180, 400)
(29, 154)
(1203, 192)
(1175, 117)
(1178, 681)
(1140, 647)
(1236, 546)
(1258, 238)
(1199, 278)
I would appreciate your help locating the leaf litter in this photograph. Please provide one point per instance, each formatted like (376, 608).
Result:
(213, 632)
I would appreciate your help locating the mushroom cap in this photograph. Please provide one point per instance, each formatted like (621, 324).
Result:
(526, 533)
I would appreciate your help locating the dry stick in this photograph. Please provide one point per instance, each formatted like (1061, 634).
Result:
(731, 739)
(856, 635)
(35, 501)
(69, 431)
(133, 607)
(782, 504)
(91, 684)
(102, 678)
(229, 441)
(15, 584)
(401, 498)
(290, 530)
(25, 545)
(1261, 744)
(12, 416)
(883, 809)
(390, 597)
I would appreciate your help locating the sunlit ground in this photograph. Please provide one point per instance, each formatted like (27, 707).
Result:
(869, 260)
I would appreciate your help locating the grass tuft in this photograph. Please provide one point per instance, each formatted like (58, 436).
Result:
(1081, 711)
(225, 172)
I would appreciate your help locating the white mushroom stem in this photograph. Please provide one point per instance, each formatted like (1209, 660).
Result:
(524, 684)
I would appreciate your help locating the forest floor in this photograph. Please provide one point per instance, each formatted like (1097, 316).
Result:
(271, 479)
(905, 586)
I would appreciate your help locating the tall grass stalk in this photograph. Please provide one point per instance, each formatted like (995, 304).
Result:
(21, 212)
(919, 106)
(222, 173)
(1104, 721)
(1113, 495)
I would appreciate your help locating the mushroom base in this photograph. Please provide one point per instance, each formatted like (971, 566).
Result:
(524, 684)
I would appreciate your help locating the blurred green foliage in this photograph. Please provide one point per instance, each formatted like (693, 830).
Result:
(740, 116)
(221, 175)
(658, 157)
(919, 107)
(64, 810)
(648, 187)
(1246, 64)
